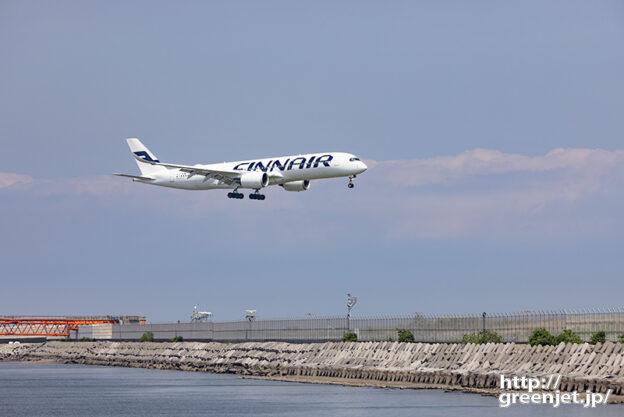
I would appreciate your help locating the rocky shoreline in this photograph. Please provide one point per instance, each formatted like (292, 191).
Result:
(469, 367)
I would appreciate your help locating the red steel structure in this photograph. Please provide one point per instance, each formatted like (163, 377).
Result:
(51, 326)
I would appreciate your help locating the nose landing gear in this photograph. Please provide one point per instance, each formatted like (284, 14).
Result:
(351, 178)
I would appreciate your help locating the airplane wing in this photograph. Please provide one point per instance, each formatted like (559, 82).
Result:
(227, 176)
(135, 177)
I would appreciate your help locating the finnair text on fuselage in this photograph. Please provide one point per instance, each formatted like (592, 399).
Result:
(298, 162)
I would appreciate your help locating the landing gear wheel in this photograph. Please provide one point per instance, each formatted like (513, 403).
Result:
(257, 195)
(350, 184)
(236, 195)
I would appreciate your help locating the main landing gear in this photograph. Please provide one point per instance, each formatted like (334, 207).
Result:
(240, 196)
(235, 194)
(351, 178)
(257, 196)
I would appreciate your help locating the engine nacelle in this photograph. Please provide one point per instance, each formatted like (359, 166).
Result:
(296, 185)
(254, 180)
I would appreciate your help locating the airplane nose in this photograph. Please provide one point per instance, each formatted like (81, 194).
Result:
(362, 167)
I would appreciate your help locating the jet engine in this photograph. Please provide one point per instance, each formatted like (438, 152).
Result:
(296, 185)
(254, 180)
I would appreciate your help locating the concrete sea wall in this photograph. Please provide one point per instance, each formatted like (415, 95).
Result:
(385, 364)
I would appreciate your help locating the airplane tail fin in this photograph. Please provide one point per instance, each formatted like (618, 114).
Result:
(141, 151)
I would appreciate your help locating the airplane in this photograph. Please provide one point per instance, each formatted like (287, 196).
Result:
(292, 173)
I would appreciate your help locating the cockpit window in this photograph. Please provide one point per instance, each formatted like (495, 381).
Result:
(354, 159)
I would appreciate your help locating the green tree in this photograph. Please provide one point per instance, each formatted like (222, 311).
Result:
(147, 337)
(176, 339)
(598, 337)
(471, 338)
(349, 337)
(568, 336)
(621, 338)
(86, 339)
(484, 336)
(541, 337)
(405, 336)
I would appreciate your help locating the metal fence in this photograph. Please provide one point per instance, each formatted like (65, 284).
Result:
(512, 327)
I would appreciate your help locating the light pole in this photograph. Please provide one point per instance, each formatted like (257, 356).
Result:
(200, 316)
(251, 316)
(484, 314)
(351, 302)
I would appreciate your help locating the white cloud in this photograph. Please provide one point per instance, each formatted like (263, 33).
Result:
(418, 172)
(483, 192)
(567, 192)
(8, 179)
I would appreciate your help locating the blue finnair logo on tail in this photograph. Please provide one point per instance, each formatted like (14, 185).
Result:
(145, 155)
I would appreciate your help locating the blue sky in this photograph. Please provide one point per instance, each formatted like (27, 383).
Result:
(493, 132)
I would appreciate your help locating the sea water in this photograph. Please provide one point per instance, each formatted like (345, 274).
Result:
(42, 389)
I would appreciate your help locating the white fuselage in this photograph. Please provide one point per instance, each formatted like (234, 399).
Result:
(281, 170)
